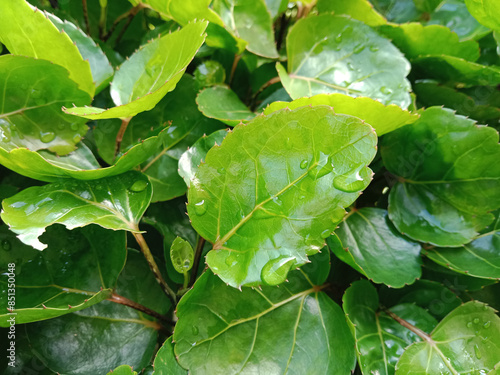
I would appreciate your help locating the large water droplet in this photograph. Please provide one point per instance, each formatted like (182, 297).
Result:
(338, 38)
(476, 320)
(231, 260)
(477, 352)
(351, 182)
(138, 186)
(326, 233)
(359, 49)
(303, 164)
(385, 90)
(74, 126)
(195, 330)
(374, 48)
(200, 208)
(6, 245)
(487, 324)
(350, 66)
(469, 325)
(47, 137)
(276, 270)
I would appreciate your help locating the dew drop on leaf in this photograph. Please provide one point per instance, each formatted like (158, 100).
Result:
(200, 208)
(476, 320)
(221, 170)
(374, 48)
(338, 38)
(303, 164)
(6, 245)
(47, 137)
(74, 126)
(138, 186)
(487, 324)
(359, 49)
(195, 330)
(469, 325)
(276, 270)
(477, 352)
(231, 260)
(349, 183)
(386, 91)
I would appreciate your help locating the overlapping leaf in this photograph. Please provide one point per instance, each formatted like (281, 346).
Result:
(165, 362)
(328, 54)
(114, 202)
(361, 10)
(277, 187)
(448, 177)
(485, 11)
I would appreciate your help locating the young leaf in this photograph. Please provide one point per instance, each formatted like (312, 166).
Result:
(210, 73)
(221, 329)
(361, 10)
(383, 118)
(149, 74)
(485, 11)
(122, 370)
(466, 341)
(222, 103)
(328, 54)
(165, 362)
(114, 202)
(378, 249)
(30, 116)
(448, 177)
(182, 255)
(70, 275)
(380, 340)
(278, 186)
(28, 32)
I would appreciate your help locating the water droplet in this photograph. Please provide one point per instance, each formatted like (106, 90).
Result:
(138, 186)
(231, 260)
(74, 126)
(350, 66)
(487, 324)
(77, 139)
(477, 352)
(303, 164)
(6, 245)
(276, 270)
(469, 325)
(338, 38)
(301, 197)
(374, 48)
(277, 201)
(385, 90)
(347, 30)
(326, 233)
(351, 182)
(288, 143)
(221, 170)
(359, 49)
(200, 208)
(195, 330)
(47, 137)
(476, 320)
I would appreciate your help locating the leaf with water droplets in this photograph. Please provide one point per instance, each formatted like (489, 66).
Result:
(149, 74)
(165, 362)
(334, 54)
(30, 113)
(466, 341)
(255, 201)
(182, 255)
(115, 202)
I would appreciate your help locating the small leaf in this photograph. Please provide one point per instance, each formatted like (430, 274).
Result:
(466, 341)
(165, 362)
(383, 118)
(182, 255)
(149, 74)
(28, 32)
(123, 370)
(114, 202)
(485, 11)
(278, 186)
(334, 54)
(361, 10)
(210, 73)
(221, 103)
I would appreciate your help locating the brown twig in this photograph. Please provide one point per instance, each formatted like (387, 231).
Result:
(131, 16)
(121, 133)
(197, 258)
(137, 306)
(424, 336)
(132, 11)
(86, 16)
(237, 58)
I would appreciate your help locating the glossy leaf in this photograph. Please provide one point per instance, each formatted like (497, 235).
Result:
(328, 54)
(221, 329)
(383, 118)
(165, 362)
(70, 275)
(30, 115)
(448, 177)
(485, 11)
(222, 103)
(380, 340)
(123, 370)
(182, 255)
(361, 10)
(28, 32)
(192, 158)
(400, 11)
(466, 341)
(149, 74)
(284, 194)
(414, 40)
(378, 249)
(210, 73)
(115, 203)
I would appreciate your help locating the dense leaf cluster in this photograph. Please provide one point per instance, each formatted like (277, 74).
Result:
(181, 187)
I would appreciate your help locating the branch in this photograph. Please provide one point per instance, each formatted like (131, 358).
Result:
(86, 16)
(236, 60)
(197, 257)
(121, 133)
(137, 306)
(423, 335)
(128, 14)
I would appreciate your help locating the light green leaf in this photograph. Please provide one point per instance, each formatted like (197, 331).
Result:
(380, 340)
(251, 22)
(378, 249)
(383, 118)
(223, 330)
(27, 31)
(101, 69)
(149, 74)
(361, 10)
(30, 113)
(192, 158)
(328, 54)
(415, 39)
(222, 103)
(123, 370)
(485, 11)
(165, 362)
(114, 202)
(448, 177)
(182, 255)
(467, 341)
(72, 274)
(278, 186)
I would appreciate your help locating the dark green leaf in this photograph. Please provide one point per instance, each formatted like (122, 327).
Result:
(114, 202)
(360, 10)
(165, 362)
(282, 191)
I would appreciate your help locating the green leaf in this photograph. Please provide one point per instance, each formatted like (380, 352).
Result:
(123, 370)
(114, 202)
(221, 103)
(182, 255)
(378, 249)
(380, 340)
(251, 22)
(447, 177)
(210, 73)
(149, 74)
(192, 158)
(360, 10)
(221, 329)
(101, 69)
(165, 362)
(383, 118)
(278, 186)
(466, 341)
(478, 258)
(485, 11)
(400, 11)
(27, 31)
(30, 115)
(415, 39)
(70, 275)
(328, 54)
(276, 7)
